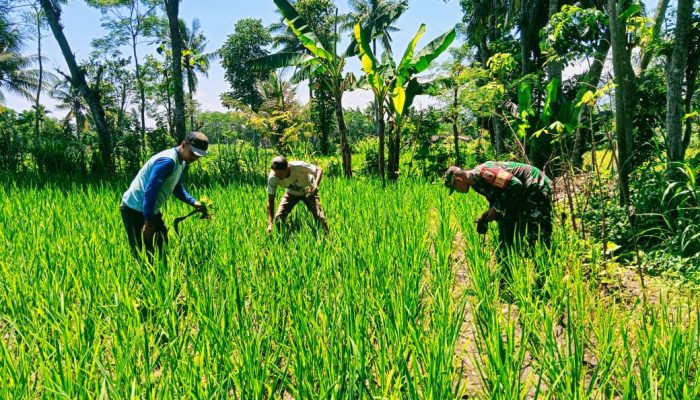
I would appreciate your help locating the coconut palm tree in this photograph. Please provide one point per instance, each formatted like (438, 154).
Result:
(16, 75)
(195, 60)
(378, 16)
(277, 93)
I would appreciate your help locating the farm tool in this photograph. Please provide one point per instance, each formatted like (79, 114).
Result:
(204, 215)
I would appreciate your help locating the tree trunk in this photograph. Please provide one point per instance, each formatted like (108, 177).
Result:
(37, 102)
(525, 55)
(659, 16)
(345, 147)
(498, 135)
(190, 91)
(554, 68)
(53, 16)
(394, 151)
(624, 98)
(675, 71)
(379, 123)
(455, 128)
(172, 8)
(591, 83)
(691, 74)
(142, 93)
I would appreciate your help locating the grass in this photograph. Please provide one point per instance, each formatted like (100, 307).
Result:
(373, 310)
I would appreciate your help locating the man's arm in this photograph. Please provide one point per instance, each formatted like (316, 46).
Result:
(180, 192)
(270, 211)
(161, 170)
(511, 195)
(317, 179)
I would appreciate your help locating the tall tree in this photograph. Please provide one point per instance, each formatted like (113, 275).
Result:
(675, 72)
(486, 24)
(127, 22)
(625, 92)
(326, 64)
(399, 81)
(195, 59)
(16, 74)
(52, 10)
(323, 19)
(248, 41)
(691, 74)
(378, 18)
(172, 8)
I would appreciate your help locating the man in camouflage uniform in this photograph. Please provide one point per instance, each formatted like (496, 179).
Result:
(519, 198)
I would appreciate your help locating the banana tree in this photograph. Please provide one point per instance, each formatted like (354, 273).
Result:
(395, 86)
(325, 64)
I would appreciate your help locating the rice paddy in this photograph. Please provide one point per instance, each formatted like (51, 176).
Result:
(401, 300)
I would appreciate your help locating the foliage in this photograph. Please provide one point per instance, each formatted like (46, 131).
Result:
(16, 75)
(237, 313)
(247, 42)
(573, 33)
(14, 144)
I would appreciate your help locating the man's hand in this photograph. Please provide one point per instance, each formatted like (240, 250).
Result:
(199, 206)
(482, 227)
(482, 223)
(312, 190)
(148, 230)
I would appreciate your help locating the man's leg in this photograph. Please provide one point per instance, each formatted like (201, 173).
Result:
(133, 224)
(313, 203)
(160, 238)
(539, 220)
(285, 208)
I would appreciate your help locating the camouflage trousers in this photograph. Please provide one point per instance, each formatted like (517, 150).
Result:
(529, 221)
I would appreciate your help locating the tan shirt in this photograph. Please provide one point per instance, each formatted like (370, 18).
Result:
(301, 176)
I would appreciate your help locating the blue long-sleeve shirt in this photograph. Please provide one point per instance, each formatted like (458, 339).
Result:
(162, 168)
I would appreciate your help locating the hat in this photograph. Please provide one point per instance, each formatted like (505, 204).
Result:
(199, 143)
(450, 177)
(279, 163)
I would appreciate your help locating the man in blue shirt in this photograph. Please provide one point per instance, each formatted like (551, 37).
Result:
(157, 179)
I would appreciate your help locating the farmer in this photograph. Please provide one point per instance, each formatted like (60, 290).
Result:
(519, 197)
(301, 181)
(157, 179)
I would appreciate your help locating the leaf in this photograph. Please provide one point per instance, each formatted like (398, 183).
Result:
(301, 29)
(398, 98)
(629, 11)
(279, 60)
(588, 99)
(408, 54)
(432, 51)
(524, 97)
(550, 100)
(369, 62)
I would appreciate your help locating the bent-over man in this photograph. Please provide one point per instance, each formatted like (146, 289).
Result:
(301, 181)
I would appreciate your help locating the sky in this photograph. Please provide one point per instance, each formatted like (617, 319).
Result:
(217, 18)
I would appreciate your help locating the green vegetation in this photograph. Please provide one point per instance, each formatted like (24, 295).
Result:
(400, 300)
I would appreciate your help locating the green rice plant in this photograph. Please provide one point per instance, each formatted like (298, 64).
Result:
(374, 309)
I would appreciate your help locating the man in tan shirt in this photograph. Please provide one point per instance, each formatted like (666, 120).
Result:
(300, 179)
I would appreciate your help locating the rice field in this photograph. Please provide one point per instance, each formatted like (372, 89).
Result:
(401, 300)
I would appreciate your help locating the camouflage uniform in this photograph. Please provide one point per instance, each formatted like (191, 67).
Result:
(523, 203)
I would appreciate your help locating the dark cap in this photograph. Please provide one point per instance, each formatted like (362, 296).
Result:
(450, 175)
(279, 163)
(198, 142)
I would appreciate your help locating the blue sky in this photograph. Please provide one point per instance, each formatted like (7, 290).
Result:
(218, 18)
